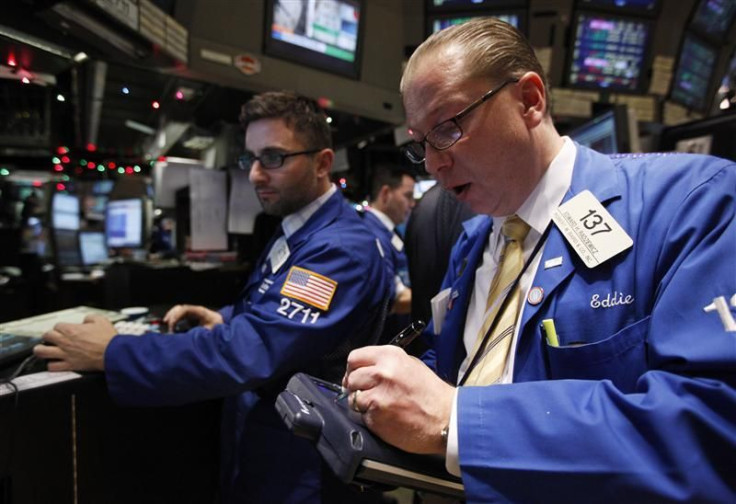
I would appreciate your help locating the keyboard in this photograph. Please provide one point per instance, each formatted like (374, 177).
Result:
(18, 337)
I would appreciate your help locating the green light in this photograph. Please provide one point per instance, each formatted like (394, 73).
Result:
(4, 172)
(83, 162)
(121, 170)
(136, 168)
(55, 160)
(65, 178)
(100, 168)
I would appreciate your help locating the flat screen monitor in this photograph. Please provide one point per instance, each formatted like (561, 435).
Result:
(606, 133)
(92, 247)
(437, 22)
(422, 186)
(94, 207)
(324, 35)
(466, 5)
(66, 248)
(65, 211)
(713, 18)
(608, 52)
(633, 7)
(103, 186)
(693, 74)
(124, 223)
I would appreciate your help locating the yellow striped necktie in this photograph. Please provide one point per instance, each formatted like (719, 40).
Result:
(490, 366)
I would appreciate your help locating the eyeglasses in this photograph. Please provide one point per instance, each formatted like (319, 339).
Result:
(446, 134)
(269, 159)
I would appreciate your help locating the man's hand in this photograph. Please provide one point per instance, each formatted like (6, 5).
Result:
(400, 398)
(204, 316)
(79, 347)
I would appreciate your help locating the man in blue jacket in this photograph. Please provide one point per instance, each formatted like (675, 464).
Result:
(630, 258)
(392, 198)
(318, 291)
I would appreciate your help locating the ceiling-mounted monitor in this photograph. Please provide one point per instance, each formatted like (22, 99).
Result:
(470, 5)
(437, 22)
(694, 73)
(713, 18)
(609, 52)
(627, 7)
(325, 35)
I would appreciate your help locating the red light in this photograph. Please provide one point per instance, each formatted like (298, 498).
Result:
(325, 102)
(91, 165)
(91, 147)
(179, 95)
(155, 104)
(62, 150)
(36, 183)
(58, 167)
(162, 158)
(128, 170)
(111, 165)
(65, 159)
(78, 170)
(11, 60)
(60, 187)
(343, 180)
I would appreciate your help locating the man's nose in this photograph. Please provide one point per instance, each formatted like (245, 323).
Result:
(257, 173)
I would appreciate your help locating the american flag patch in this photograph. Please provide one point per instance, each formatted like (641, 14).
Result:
(310, 287)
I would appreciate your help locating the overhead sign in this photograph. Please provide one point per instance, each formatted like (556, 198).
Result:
(247, 63)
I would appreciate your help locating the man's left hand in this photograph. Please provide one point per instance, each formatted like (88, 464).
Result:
(78, 347)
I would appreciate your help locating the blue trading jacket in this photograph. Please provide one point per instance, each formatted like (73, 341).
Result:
(638, 403)
(267, 336)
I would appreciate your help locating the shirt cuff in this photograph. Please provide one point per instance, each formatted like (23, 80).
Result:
(452, 456)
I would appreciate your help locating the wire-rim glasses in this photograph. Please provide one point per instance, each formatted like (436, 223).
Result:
(270, 159)
(446, 134)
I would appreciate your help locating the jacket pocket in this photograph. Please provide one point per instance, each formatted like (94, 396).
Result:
(621, 358)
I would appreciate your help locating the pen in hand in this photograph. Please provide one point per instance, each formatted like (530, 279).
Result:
(402, 340)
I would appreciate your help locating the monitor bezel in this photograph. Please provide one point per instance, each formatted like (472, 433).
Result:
(646, 61)
(486, 5)
(624, 11)
(708, 99)
(298, 55)
(431, 17)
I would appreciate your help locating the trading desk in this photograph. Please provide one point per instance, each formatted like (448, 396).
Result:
(68, 443)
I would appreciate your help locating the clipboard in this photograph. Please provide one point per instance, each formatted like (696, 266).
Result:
(352, 452)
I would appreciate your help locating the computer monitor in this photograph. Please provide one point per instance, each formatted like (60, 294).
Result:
(94, 206)
(92, 247)
(607, 133)
(422, 186)
(124, 223)
(713, 18)
(103, 186)
(65, 211)
(437, 22)
(467, 5)
(628, 7)
(609, 53)
(325, 35)
(694, 73)
(66, 248)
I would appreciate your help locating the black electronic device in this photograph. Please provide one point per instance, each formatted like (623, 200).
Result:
(65, 244)
(609, 52)
(309, 408)
(633, 7)
(691, 84)
(440, 21)
(713, 18)
(326, 35)
(607, 133)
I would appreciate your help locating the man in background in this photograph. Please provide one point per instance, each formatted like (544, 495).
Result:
(317, 291)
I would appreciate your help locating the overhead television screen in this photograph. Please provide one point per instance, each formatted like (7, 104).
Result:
(609, 52)
(324, 34)
(435, 23)
(637, 7)
(693, 74)
(465, 5)
(713, 18)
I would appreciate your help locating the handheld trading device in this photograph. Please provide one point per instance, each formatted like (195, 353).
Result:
(354, 454)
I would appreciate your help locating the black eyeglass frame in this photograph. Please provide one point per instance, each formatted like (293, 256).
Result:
(408, 150)
(244, 165)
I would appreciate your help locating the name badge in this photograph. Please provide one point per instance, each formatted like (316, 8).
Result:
(279, 254)
(590, 229)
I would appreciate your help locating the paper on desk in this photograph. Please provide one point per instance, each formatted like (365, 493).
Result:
(36, 380)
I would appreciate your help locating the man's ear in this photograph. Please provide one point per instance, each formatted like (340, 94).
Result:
(533, 97)
(325, 158)
(384, 193)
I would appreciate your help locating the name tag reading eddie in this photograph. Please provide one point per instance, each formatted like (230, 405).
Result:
(590, 229)
(279, 254)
